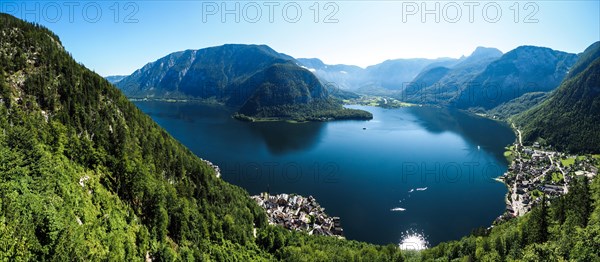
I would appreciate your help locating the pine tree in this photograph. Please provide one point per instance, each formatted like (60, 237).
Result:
(578, 202)
(536, 230)
(558, 210)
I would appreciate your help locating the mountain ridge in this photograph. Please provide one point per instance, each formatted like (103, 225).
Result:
(235, 74)
(568, 119)
(522, 70)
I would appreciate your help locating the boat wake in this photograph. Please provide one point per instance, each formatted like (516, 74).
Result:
(417, 189)
(398, 209)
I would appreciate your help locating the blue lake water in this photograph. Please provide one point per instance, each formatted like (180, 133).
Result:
(361, 170)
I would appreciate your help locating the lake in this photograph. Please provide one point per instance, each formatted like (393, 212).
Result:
(415, 169)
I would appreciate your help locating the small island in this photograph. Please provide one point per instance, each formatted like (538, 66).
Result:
(299, 117)
(321, 110)
(299, 213)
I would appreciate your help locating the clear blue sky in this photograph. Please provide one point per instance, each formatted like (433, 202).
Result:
(360, 32)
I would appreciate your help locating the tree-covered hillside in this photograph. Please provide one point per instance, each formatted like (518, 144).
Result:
(86, 176)
(517, 105)
(288, 91)
(569, 119)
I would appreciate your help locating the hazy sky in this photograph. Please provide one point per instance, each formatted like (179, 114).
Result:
(118, 37)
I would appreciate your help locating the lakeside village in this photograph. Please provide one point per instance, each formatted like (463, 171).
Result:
(537, 170)
(299, 213)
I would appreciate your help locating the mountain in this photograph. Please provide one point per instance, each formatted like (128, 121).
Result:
(246, 77)
(439, 86)
(281, 84)
(344, 77)
(385, 78)
(585, 59)
(393, 76)
(213, 72)
(479, 56)
(568, 119)
(423, 89)
(288, 91)
(396, 74)
(432, 75)
(86, 176)
(114, 79)
(522, 70)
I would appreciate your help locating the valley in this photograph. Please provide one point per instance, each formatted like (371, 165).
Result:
(534, 174)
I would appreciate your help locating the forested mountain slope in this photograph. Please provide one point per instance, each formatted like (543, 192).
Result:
(522, 70)
(570, 118)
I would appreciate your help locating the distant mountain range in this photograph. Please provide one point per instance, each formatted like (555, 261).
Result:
(264, 83)
(395, 74)
(482, 81)
(115, 79)
(441, 84)
(569, 118)
(256, 79)
(345, 77)
(386, 77)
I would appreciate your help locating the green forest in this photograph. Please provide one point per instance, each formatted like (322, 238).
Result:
(569, 118)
